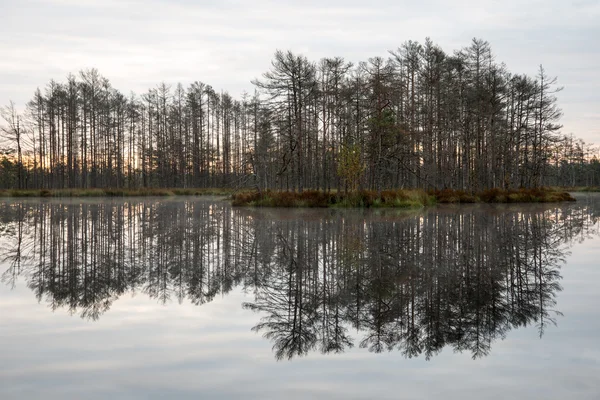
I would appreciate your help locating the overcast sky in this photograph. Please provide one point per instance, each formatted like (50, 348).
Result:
(137, 44)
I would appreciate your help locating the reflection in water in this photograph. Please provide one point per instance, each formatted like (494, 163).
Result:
(320, 280)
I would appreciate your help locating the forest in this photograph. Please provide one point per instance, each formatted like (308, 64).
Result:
(420, 118)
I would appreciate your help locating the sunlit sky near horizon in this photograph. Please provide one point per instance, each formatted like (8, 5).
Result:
(137, 44)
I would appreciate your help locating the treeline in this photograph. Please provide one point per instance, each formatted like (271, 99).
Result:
(320, 280)
(421, 118)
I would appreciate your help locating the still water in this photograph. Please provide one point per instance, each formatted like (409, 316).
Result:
(191, 298)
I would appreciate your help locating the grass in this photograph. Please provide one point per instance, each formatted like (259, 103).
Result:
(113, 192)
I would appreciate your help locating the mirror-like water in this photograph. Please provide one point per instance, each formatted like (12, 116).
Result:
(188, 298)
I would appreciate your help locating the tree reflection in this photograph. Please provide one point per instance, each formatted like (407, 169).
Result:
(457, 277)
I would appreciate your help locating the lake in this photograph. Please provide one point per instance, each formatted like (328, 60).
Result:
(190, 298)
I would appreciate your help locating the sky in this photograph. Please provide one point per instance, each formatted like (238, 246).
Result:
(138, 44)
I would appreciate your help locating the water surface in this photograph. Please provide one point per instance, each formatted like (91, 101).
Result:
(189, 298)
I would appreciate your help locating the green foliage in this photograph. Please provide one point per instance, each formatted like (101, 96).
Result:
(8, 172)
(384, 134)
(350, 166)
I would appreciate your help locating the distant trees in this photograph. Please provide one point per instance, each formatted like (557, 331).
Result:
(420, 118)
(13, 133)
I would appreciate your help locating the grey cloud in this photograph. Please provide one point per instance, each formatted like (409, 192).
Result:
(229, 43)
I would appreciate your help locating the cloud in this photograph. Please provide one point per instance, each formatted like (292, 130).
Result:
(137, 44)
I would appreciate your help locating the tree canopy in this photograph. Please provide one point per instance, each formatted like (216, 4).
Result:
(421, 118)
